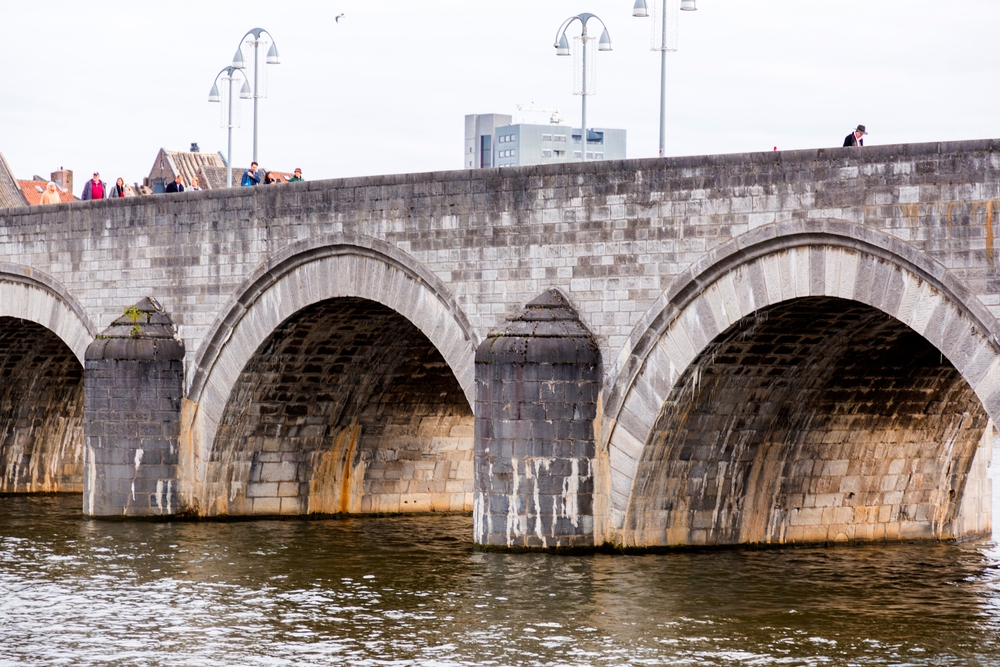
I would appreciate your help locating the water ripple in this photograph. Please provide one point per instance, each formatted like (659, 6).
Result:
(411, 591)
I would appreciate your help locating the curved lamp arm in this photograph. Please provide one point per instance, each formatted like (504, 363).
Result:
(561, 32)
(272, 57)
(561, 43)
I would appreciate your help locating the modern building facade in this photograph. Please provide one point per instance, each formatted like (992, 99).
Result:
(491, 140)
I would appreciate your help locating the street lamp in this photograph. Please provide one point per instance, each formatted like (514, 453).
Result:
(213, 96)
(664, 39)
(240, 63)
(562, 49)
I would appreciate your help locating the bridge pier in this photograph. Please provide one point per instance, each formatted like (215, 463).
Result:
(133, 386)
(537, 382)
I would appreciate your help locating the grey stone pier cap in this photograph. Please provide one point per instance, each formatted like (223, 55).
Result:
(133, 389)
(537, 381)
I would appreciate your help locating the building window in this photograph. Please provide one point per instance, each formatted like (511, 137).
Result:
(576, 153)
(485, 151)
(546, 137)
(546, 153)
(559, 153)
(559, 137)
(512, 152)
(590, 156)
(598, 156)
(576, 138)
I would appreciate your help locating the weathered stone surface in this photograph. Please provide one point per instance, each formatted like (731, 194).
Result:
(133, 385)
(658, 257)
(41, 411)
(537, 381)
(817, 420)
(346, 408)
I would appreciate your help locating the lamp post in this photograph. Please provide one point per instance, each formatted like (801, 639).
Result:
(664, 39)
(213, 96)
(562, 49)
(239, 63)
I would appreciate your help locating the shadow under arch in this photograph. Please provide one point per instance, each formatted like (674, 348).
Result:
(44, 334)
(760, 270)
(334, 269)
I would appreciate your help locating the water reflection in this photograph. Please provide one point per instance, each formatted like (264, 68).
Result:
(411, 591)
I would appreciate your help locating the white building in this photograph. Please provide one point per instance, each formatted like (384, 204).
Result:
(491, 140)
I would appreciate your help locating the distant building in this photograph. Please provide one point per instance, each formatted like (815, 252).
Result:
(209, 168)
(491, 140)
(479, 130)
(10, 190)
(63, 178)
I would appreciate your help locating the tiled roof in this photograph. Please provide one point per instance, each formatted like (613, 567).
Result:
(33, 190)
(10, 190)
(208, 167)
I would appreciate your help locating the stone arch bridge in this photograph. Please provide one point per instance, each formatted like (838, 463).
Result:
(758, 348)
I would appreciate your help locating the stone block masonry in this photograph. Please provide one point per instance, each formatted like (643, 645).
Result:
(133, 387)
(536, 401)
(658, 259)
(41, 411)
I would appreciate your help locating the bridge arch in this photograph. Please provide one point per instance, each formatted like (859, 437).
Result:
(810, 276)
(32, 295)
(44, 334)
(308, 291)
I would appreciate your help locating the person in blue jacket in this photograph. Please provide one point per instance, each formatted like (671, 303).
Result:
(250, 176)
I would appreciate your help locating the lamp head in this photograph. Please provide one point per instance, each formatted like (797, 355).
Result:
(689, 5)
(238, 60)
(272, 55)
(245, 93)
(605, 42)
(213, 95)
(562, 48)
(640, 9)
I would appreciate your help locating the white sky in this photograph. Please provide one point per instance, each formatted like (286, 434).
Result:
(385, 91)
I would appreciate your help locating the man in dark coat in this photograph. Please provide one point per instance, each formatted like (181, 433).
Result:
(177, 185)
(95, 188)
(855, 137)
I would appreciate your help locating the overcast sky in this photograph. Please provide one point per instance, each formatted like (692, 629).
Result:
(385, 90)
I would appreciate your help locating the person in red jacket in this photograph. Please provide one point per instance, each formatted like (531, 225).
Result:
(95, 188)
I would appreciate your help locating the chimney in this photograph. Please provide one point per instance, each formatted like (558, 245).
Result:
(194, 147)
(64, 179)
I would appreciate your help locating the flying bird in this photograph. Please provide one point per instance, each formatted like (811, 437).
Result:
(338, 17)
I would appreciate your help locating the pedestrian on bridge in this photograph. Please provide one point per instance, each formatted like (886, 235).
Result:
(297, 176)
(95, 188)
(177, 185)
(118, 191)
(51, 194)
(855, 138)
(250, 176)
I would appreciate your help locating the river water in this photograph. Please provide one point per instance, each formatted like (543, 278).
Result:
(412, 591)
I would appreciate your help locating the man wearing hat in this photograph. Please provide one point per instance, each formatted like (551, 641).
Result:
(855, 137)
(94, 189)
